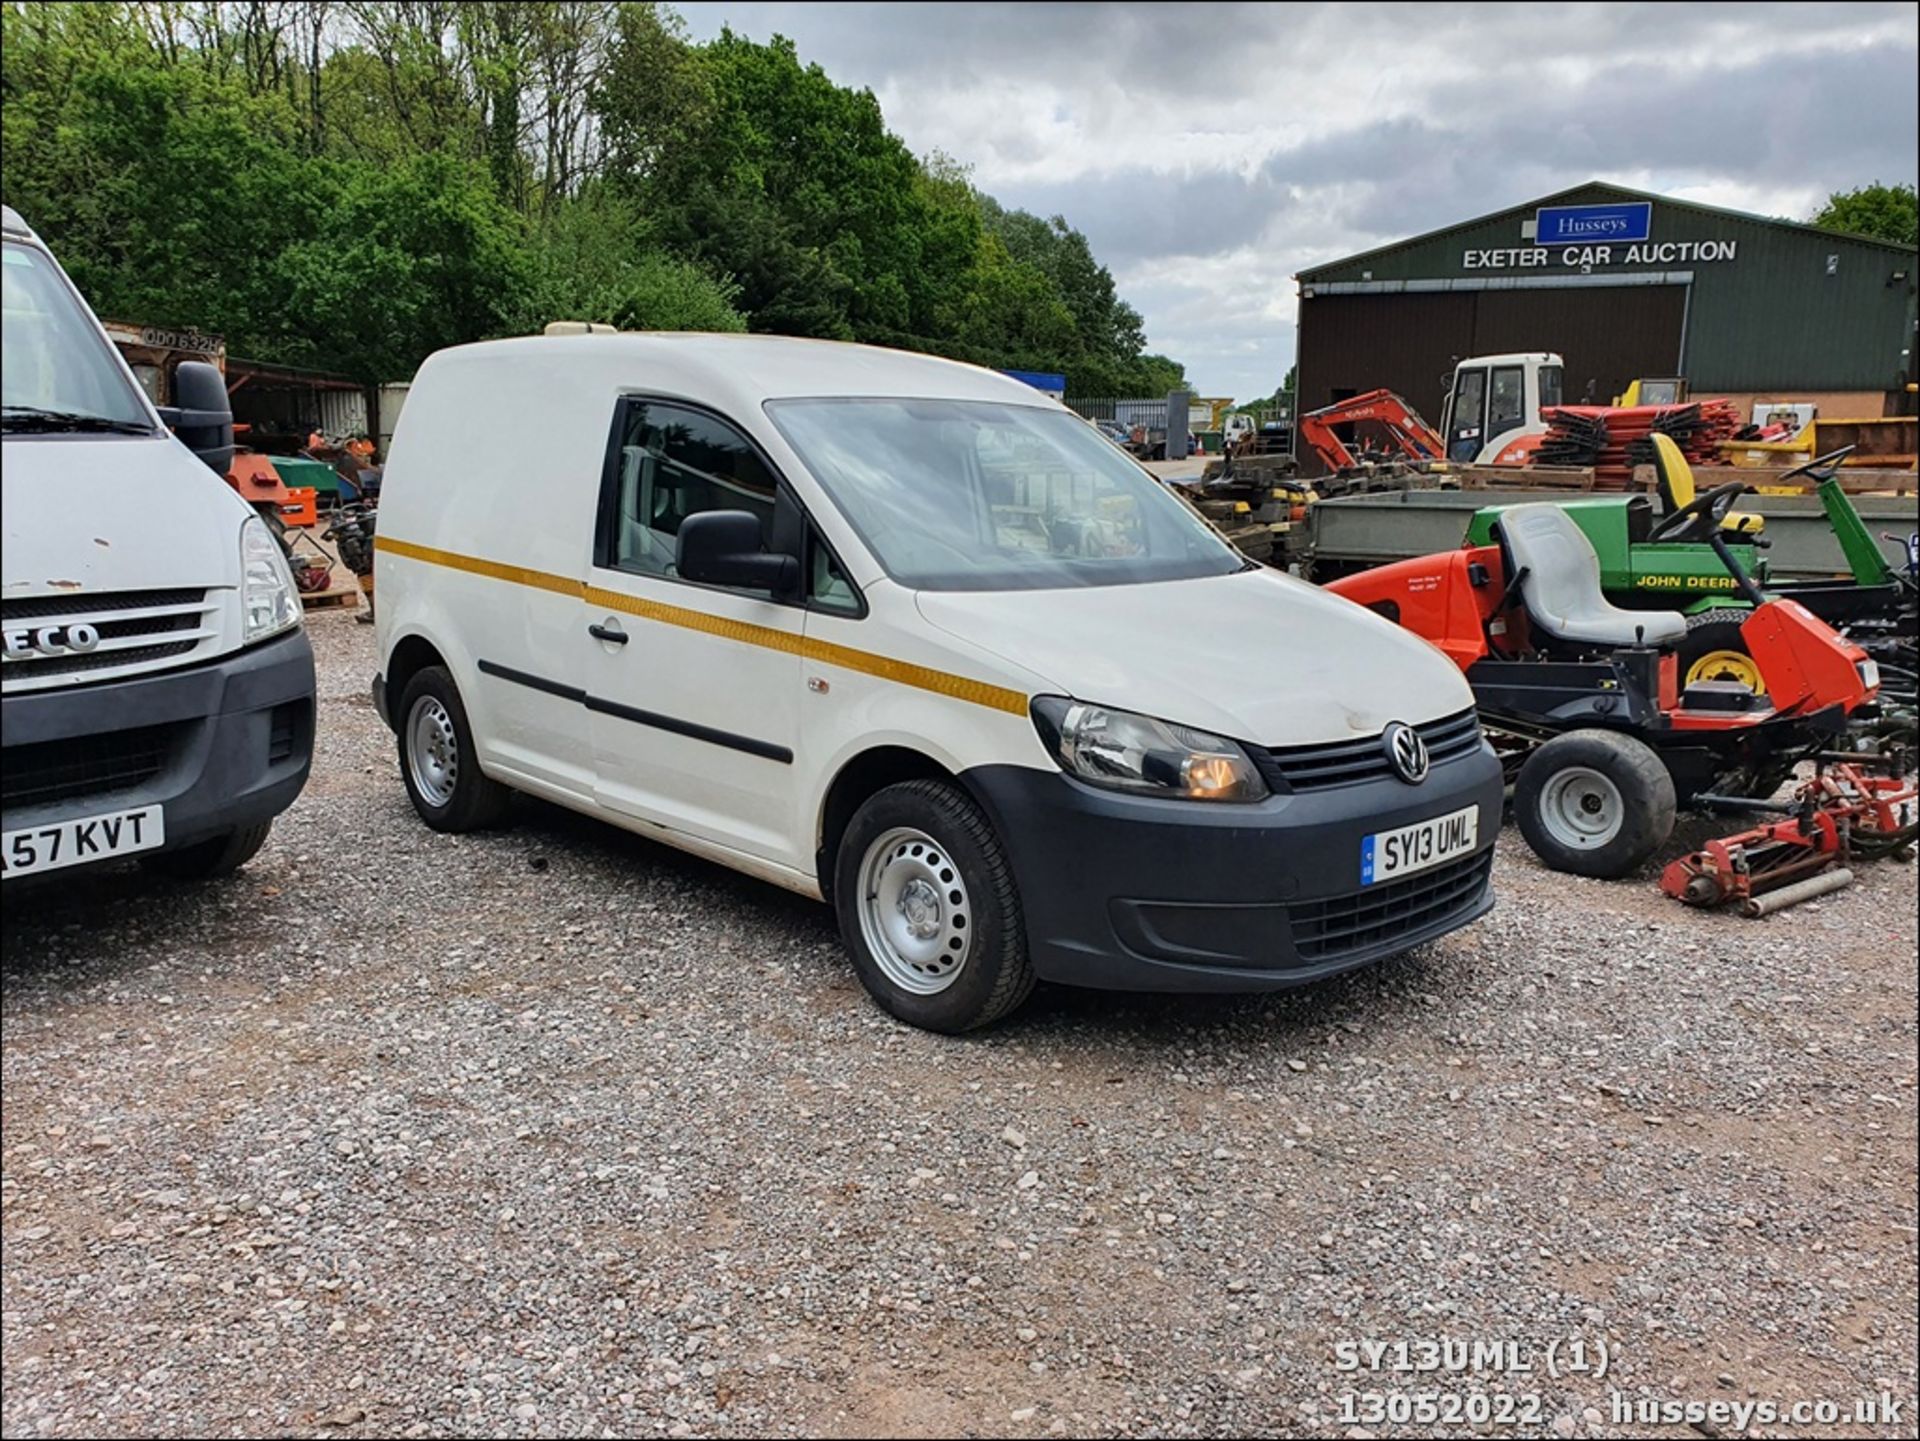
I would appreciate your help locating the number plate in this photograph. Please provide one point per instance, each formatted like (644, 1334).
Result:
(72, 843)
(1387, 854)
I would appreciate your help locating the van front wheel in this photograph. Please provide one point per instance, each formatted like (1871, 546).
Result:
(928, 908)
(221, 856)
(437, 758)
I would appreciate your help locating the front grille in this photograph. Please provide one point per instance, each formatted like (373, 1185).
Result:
(133, 615)
(48, 771)
(1345, 763)
(1324, 930)
(50, 607)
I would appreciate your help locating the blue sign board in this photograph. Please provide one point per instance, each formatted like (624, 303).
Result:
(1592, 224)
(1055, 385)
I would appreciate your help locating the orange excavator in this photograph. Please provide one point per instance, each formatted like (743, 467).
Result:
(1414, 438)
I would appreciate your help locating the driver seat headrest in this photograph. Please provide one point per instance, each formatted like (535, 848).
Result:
(1678, 488)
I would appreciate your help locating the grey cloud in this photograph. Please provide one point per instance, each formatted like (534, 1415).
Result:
(1217, 148)
(1137, 213)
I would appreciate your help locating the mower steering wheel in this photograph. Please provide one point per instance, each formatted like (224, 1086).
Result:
(1703, 513)
(1822, 468)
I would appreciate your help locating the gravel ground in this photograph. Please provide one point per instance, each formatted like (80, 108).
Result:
(557, 1131)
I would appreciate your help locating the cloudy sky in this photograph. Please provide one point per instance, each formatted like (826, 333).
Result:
(1210, 151)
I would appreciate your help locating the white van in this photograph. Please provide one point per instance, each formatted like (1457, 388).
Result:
(905, 635)
(158, 687)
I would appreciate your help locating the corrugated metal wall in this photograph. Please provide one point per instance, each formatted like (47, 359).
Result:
(393, 396)
(342, 412)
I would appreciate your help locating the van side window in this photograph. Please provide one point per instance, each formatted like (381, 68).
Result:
(674, 463)
(827, 588)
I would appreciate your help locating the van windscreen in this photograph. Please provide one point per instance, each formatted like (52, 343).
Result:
(57, 371)
(983, 495)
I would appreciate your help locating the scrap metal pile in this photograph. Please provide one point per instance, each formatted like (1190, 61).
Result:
(1613, 439)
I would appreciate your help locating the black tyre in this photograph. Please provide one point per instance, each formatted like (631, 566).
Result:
(221, 856)
(928, 909)
(438, 761)
(1594, 803)
(1714, 649)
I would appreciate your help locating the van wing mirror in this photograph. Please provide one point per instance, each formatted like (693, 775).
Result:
(724, 547)
(202, 415)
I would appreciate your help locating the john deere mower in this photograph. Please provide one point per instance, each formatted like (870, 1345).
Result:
(1586, 700)
(1665, 561)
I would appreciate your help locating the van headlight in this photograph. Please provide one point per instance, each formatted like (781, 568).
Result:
(268, 598)
(1128, 752)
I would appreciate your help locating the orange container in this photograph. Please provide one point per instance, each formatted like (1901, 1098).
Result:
(302, 505)
(260, 484)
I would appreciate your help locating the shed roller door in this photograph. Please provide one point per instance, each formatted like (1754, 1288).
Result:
(1608, 335)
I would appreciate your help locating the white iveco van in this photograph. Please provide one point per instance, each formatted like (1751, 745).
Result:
(157, 696)
(907, 636)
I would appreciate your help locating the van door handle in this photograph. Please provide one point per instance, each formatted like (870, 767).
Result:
(608, 634)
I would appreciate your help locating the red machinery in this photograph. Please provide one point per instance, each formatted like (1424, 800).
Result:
(1841, 812)
(1416, 439)
(1586, 697)
(260, 485)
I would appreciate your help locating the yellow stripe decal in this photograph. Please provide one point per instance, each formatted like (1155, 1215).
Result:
(902, 672)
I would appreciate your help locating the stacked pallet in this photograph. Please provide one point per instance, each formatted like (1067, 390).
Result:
(1613, 439)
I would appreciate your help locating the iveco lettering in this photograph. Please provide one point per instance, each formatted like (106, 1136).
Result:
(910, 637)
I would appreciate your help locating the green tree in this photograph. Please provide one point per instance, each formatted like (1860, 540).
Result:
(1887, 212)
(353, 183)
(405, 261)
(593, 261)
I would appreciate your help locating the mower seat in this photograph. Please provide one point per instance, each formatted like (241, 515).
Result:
(1677, 488)
(1562, 589)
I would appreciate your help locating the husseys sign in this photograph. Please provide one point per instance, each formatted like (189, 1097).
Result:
(1583, 236)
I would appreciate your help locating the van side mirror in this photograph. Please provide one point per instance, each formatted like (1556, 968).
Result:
(201, 414)
(723, 547)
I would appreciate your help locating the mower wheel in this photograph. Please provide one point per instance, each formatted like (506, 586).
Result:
(1714, 649)
(1594, 803)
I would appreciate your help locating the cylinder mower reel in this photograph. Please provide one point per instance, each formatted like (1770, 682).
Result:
(1843, 812)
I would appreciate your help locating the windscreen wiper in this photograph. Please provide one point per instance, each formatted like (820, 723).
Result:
(34, 417)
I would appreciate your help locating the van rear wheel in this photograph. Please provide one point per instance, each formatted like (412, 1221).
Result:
(928, 908)
(437, 759)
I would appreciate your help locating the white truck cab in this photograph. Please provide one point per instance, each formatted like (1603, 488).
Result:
(1492, 413)
(906, 636)
(157, 697)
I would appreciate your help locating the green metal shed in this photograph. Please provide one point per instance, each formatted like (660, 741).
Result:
(1622, 283)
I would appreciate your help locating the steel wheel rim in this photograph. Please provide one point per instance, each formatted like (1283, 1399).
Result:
(433, 751)
(1582, 808)
(1730, 665)
(915, 915)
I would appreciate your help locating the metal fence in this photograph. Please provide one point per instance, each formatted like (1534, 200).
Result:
(1149, 413)
(1281, 414)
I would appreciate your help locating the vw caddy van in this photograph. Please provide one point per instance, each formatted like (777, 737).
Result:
(158, 686)
(909, 637)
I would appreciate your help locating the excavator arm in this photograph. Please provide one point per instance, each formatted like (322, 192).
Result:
(1416, 439)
